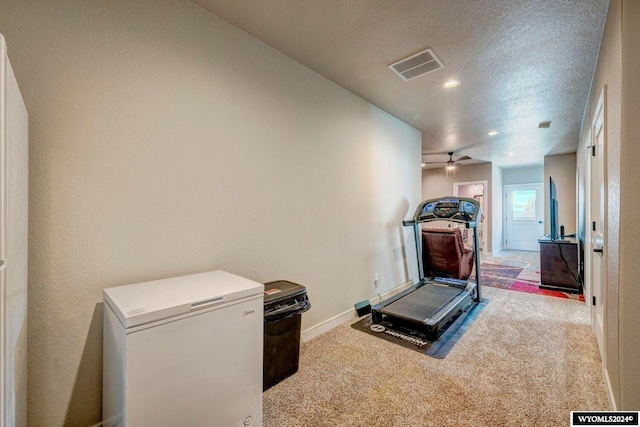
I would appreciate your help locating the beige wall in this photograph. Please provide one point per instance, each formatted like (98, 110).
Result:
(165, 142)
(617, 69)
(435, 184)
(562, 168)
(497, 206)
(629, 294)
(527, 175)
(608, 72)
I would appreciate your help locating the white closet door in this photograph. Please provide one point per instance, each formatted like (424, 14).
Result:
(14, 215)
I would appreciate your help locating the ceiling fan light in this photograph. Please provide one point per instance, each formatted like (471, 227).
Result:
(451, 165)
(451, 83)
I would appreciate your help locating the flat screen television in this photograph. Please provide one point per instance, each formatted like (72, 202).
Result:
(553, 210)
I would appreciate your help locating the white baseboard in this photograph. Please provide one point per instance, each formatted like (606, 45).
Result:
(331, 323)
(328, 324)
(607, 382)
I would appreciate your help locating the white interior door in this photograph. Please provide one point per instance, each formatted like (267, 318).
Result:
(596, 228)
(14, 224)
(524, 216)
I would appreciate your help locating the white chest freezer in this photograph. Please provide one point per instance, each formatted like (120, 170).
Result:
(184, 351)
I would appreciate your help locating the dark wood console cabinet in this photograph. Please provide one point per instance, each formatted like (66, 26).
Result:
(559, 263)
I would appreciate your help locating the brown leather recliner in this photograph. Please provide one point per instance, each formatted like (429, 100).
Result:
(444, 253)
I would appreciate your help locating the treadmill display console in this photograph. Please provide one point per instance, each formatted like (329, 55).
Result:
(429, 207)
(446, 208)
(468, 207)
(457, 209)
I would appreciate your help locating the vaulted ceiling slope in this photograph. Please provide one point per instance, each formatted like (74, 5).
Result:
(520, 62)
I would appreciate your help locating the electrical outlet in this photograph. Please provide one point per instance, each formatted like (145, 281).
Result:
(376, 280)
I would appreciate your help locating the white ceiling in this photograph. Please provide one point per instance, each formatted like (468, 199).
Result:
(520, 62)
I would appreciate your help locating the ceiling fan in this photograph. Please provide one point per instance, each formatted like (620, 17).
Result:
(451, 164)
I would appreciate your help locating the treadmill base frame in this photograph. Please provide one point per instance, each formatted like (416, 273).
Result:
(432, 326)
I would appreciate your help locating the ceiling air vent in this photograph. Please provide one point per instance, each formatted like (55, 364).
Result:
(416, 65)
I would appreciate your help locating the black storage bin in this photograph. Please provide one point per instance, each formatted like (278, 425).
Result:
(284, 303)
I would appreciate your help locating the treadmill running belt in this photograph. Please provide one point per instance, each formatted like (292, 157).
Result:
(422, 303)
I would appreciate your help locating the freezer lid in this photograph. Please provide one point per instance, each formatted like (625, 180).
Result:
(148, 302)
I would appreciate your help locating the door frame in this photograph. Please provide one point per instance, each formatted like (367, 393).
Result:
(485, 203)
(599, 110)
(505, 188)
(586, 266)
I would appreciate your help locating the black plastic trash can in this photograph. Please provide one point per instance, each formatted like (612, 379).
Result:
(284, 303)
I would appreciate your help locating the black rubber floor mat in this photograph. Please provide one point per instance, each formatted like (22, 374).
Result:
(416, 340)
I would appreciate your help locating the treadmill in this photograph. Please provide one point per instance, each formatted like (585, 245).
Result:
(431, 304)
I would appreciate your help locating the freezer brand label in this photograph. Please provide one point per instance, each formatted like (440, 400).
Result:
(248, 312)
(272, 291)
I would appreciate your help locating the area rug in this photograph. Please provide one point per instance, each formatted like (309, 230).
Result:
(417, 341)
(533, 288)
(498, 276)
(516, 278)
(500, 270)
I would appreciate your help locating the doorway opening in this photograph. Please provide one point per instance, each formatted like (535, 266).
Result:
(476, 190)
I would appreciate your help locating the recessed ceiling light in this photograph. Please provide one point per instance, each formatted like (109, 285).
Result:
(451, 83)
(493, 133)
(512, 154)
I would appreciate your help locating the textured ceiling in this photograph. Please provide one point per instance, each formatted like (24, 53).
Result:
(520, 63)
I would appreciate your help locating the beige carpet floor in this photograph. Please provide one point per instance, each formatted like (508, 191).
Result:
(528, 360)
